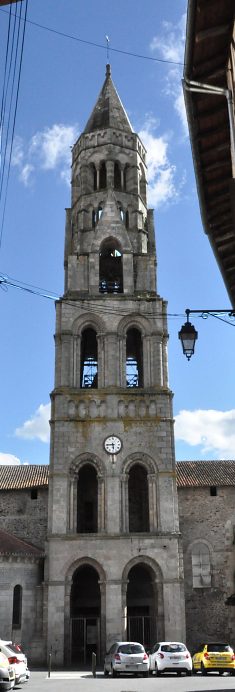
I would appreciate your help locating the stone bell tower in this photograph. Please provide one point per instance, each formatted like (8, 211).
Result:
(114, 567)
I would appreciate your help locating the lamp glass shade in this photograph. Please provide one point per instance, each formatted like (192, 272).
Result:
(188, 336)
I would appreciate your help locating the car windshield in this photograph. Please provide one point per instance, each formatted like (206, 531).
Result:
(130, 649)
(218, 647)
(173, 648)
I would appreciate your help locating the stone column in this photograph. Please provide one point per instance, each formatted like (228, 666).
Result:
(153, 522)
(174, 617)
(115, 613)
(101, 505)
(124, 504)
(55, 640)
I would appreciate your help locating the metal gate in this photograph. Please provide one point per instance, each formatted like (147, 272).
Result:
(143, 629)
(85, 638)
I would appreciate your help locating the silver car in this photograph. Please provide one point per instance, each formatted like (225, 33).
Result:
(126, 657)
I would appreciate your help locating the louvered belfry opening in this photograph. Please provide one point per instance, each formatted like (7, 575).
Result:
(111, 269)
(134, 358)
(89, 359)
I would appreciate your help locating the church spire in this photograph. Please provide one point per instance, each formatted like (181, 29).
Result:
(108, 110)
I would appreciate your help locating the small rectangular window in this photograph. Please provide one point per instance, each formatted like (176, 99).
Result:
(213, 491)
(34, 493)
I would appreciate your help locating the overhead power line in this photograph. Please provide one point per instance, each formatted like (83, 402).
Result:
(10, 96)
(6, 281)
(100, 45)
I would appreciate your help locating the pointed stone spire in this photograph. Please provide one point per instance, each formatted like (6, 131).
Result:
(108, 110)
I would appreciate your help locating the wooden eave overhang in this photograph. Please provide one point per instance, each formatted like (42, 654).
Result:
(210, 25)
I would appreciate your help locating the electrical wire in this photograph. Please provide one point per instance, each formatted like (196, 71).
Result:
(96, 307)
(5, 68)
(9, 146)
(100, 45)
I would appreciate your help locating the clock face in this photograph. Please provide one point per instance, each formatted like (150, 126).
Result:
(112, 444)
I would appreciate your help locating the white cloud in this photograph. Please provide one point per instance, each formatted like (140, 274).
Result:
(37, 427)
(8, 460)
(162, 185)
(47, 150)
(213, 430)
(170, 44)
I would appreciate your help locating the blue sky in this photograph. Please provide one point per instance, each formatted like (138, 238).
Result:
(61, 79)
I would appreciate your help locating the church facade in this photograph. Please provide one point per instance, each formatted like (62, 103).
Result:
(106, 553)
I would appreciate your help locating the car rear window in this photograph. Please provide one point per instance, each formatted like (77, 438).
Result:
(131, 649)
(218, 647)
(173, 648)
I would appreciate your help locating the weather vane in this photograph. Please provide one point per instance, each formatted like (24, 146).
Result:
(107, 44)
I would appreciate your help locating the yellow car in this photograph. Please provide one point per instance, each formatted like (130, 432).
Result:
(214, 656)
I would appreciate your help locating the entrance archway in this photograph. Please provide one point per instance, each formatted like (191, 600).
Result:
(142, 605)
(85, 610)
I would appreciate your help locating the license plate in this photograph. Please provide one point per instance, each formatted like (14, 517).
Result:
(132, 667)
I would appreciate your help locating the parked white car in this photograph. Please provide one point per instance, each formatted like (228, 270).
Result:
(17, 660)
(126, 657)
(7, 674)
(169, 657)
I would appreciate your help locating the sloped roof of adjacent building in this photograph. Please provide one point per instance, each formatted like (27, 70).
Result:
(209, 37)
(108, 110)
(205, 473)
(11, 545)
(14, 477)
(188, 474)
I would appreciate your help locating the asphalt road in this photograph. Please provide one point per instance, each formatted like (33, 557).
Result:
(72, 681)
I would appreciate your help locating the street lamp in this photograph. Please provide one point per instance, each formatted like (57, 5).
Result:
(188, 334)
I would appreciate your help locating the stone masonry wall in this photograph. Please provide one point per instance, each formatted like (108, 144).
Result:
(26, 518)
(203, 518)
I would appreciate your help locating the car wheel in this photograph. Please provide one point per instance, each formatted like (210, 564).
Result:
(188, 672)
(114, 673)
(203, 669)
(146, 674)
(157, 672)
(106, 672)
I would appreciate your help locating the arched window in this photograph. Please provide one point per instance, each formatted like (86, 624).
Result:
(134, 358)
(89, 359)
(93, 218)
(117, 177)
(94, 176)
(17, 606)
(201, 568)
(111, 272)
(142, 184)
(99, 212)
(138, 499)
(103, 182)
(87, 500)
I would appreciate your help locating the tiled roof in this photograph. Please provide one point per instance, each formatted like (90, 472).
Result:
(10, 544)
(188, 474)
(205, 473)
(25, 476)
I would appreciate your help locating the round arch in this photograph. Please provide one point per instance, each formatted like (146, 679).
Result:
(143, 600)
(93, 500)
(148, 499)
(84, 610)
